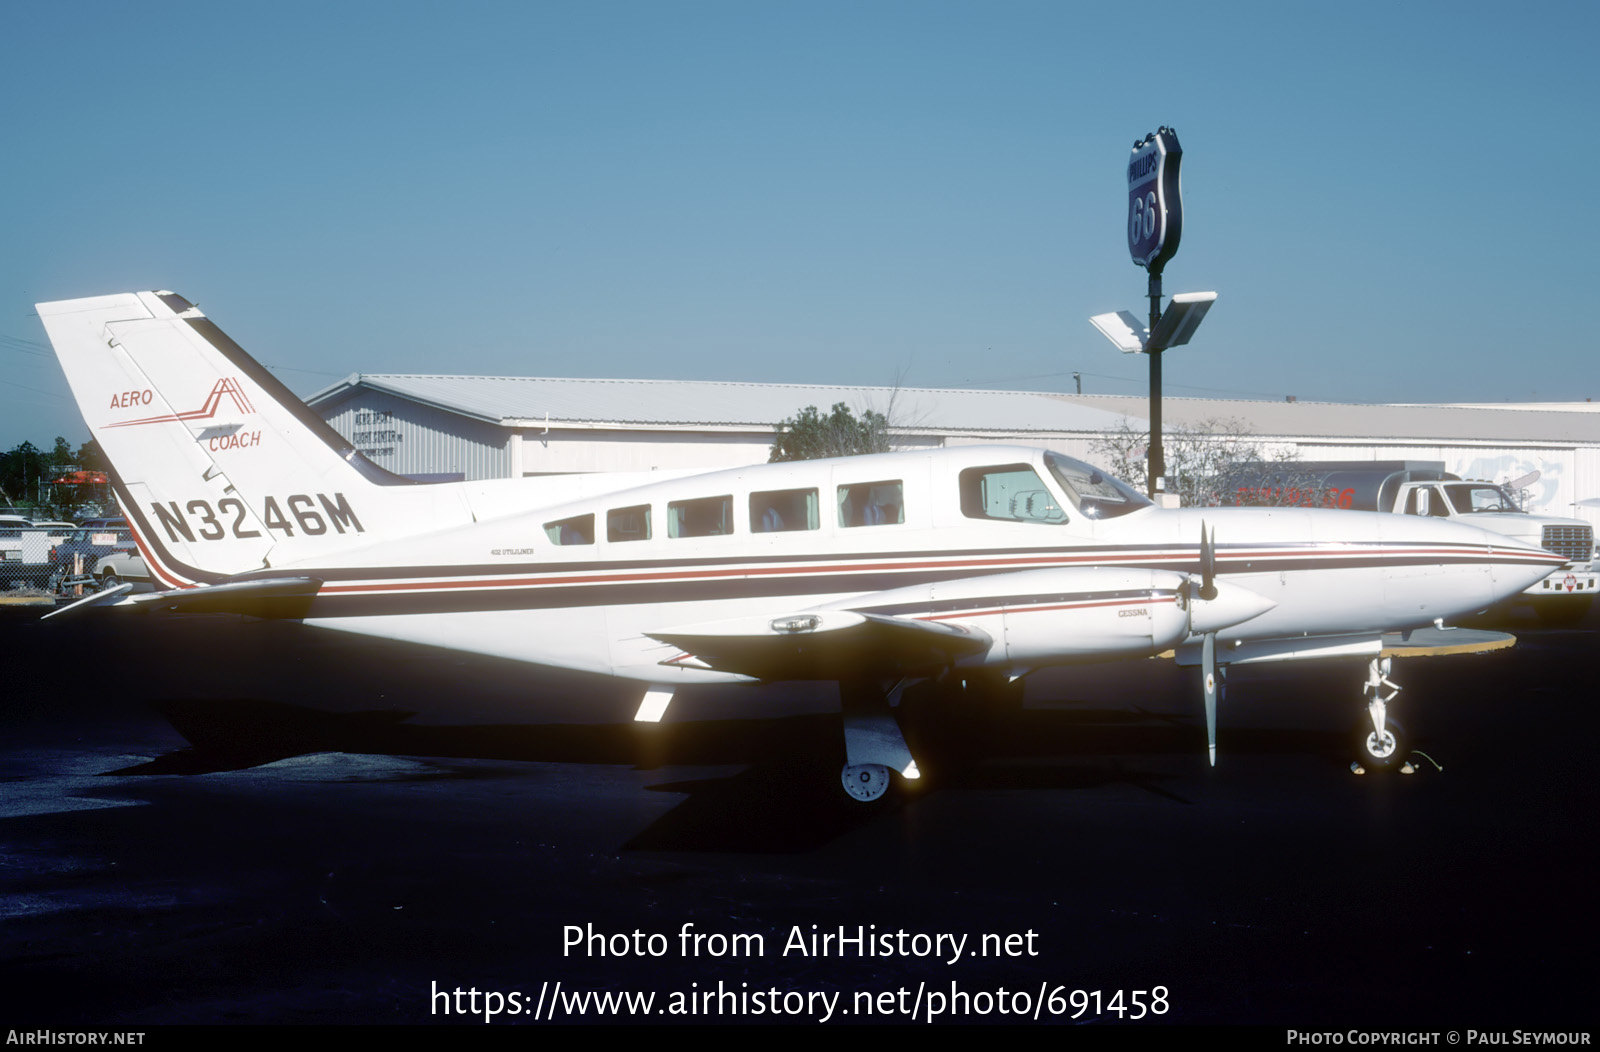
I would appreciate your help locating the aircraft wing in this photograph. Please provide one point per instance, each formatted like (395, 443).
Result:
(825, 644)
(1017, 620)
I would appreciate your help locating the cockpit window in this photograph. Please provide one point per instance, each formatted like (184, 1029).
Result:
(1013, 491)
(1094, 493)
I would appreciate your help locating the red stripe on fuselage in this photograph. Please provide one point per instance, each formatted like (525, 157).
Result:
(1101, 558)
(1081, 605)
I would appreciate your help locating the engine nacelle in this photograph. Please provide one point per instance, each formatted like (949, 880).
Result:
(1070, 614)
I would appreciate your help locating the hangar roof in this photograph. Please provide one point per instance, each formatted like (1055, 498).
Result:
(1526, 422)
(515, 401)
(522, 401)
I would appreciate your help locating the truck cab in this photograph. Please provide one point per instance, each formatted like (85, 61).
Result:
(1425, 488)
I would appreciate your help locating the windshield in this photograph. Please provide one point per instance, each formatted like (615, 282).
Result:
(1471, 498)
(1093, 492)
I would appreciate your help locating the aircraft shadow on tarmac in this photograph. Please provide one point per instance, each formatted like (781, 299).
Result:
(785, 795)
(1084, 728)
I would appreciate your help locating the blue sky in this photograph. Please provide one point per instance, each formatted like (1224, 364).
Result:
(1393, 200)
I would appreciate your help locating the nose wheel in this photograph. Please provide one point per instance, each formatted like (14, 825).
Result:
(1381, 742)
(1381, 750)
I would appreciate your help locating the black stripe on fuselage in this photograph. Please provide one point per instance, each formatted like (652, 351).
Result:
(1175, 558)
(1007, 599)
(468, 597)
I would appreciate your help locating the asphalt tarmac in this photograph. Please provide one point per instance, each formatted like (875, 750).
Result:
(217, 820)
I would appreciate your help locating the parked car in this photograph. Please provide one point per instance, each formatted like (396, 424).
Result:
(92, 539)
(122, 567)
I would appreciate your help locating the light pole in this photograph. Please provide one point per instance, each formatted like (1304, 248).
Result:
(1155, 226)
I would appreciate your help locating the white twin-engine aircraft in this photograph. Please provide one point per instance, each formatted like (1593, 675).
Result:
(966, 567)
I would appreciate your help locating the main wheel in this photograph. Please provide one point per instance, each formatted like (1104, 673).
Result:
(1381, 752)
(865, 782)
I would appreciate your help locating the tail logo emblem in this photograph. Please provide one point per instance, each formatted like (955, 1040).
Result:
(227, 386)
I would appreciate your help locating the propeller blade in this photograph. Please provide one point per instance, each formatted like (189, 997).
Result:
(1208, 562)
(1208, 668)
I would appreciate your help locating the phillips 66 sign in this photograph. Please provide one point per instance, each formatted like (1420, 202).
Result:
(1155, 203)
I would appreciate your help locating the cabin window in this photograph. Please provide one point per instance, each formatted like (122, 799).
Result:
(706, 517)
(577, 530)
(782, 510)
(1013, 492)
(871, 504)
(628, 524)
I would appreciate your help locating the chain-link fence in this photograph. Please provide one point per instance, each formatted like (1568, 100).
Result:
(25, 563)
(65, 560)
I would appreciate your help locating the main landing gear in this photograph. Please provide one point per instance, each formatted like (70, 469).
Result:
(874, 747)
(1381, 742)
(947, 717)
(865, 782)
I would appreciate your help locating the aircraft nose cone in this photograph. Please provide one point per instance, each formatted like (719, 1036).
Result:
(1517, 566)
(1234, 604)
(1482, 568)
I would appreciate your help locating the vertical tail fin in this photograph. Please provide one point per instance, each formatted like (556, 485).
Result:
(222, 469)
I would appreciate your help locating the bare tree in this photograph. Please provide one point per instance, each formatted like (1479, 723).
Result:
(1204, 461)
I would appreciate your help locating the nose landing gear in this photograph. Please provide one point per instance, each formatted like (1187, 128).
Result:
(1381, 742)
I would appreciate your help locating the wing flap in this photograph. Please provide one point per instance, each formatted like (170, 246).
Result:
(828, 644)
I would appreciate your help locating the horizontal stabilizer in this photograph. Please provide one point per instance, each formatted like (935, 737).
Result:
(279, 597)
(828, 644)
(90, 602)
